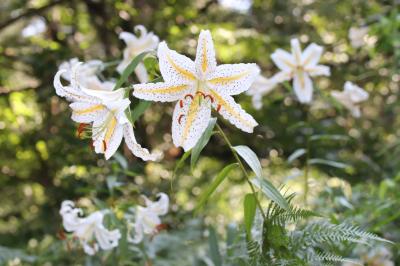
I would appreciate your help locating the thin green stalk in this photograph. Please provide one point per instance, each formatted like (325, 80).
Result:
(306, 170)
(242, 168)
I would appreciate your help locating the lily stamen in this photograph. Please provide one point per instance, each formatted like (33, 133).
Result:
(189, 95)
(181, 103)
(104, 145)
(218, 108)
(180, 118)
(81, 128)
(209, 96)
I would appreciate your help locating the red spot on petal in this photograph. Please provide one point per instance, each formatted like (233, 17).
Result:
(180, 118)
(181, 103)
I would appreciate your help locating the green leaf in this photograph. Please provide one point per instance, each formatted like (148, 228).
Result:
(250, 158)
(213, 186)
(129, 69)
(181, 161)
(139, 110)
(328, 162)
(271, 192)
(214, 249)
(250, 205)
(202, 142)
(333, 137)
(296, 154)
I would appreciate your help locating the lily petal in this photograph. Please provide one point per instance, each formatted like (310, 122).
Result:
(86, 112)
(296, 50)
(141, 73)
(107, 239)
(127, 37)
(190, 119)
(303, 87)
(233, 79)
(283, 60)
(135, 148)
(162, 91)
(355, 93)
(318, 70)
(233, 112)
(160, 207)
(205, 56)
(311, 55)
(174, 67)
(71, 93)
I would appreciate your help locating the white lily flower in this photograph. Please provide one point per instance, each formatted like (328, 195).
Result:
(105, 110)
(87, 75)
(198, 86)
(89, 230)
(262, 86)
(358, 36)
(351, 97)
(147, 219)
(135, 45)
(300, 66)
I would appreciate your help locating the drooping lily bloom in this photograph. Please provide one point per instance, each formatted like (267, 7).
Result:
(104, 111)
(87, 75)
(198, 86)
(135, 45)
(89, 230)
(147, 220)
(351, 97)
(300, 66)
(262, 86)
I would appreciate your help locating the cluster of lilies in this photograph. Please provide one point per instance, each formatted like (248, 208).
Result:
(197, 87)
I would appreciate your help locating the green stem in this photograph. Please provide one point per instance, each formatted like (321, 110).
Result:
(242, 168)
(306, 170)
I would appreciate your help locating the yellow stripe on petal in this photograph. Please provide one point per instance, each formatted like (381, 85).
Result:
(220, 100)
(89, 110)
(228, 79)
(180, 70)
(165, 90)
(190, 116)
(204, 56)
(110, 129)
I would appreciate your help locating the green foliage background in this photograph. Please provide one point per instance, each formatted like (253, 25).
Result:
(42, 162)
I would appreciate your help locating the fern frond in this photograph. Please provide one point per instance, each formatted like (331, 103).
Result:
(329, 257)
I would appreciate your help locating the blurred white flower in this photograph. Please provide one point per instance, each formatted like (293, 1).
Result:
(35, 27)
(300, 66)
(147, 219)
(262, 86)
(198, 86)
(87, 75)
(351, 97)
(358, 36)
(238, 5)
(135, 45)
(89, 230)
(105, 111)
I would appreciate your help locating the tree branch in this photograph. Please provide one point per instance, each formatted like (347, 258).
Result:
(28, 13)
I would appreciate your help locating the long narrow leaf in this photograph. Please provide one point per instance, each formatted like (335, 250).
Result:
(216, 182)
(250, 158)
(214, 249)
(139, 110)
(250, 205)
(202, 142)
(328, 162)
(296, 154)
(271, 192)
(129, 69)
